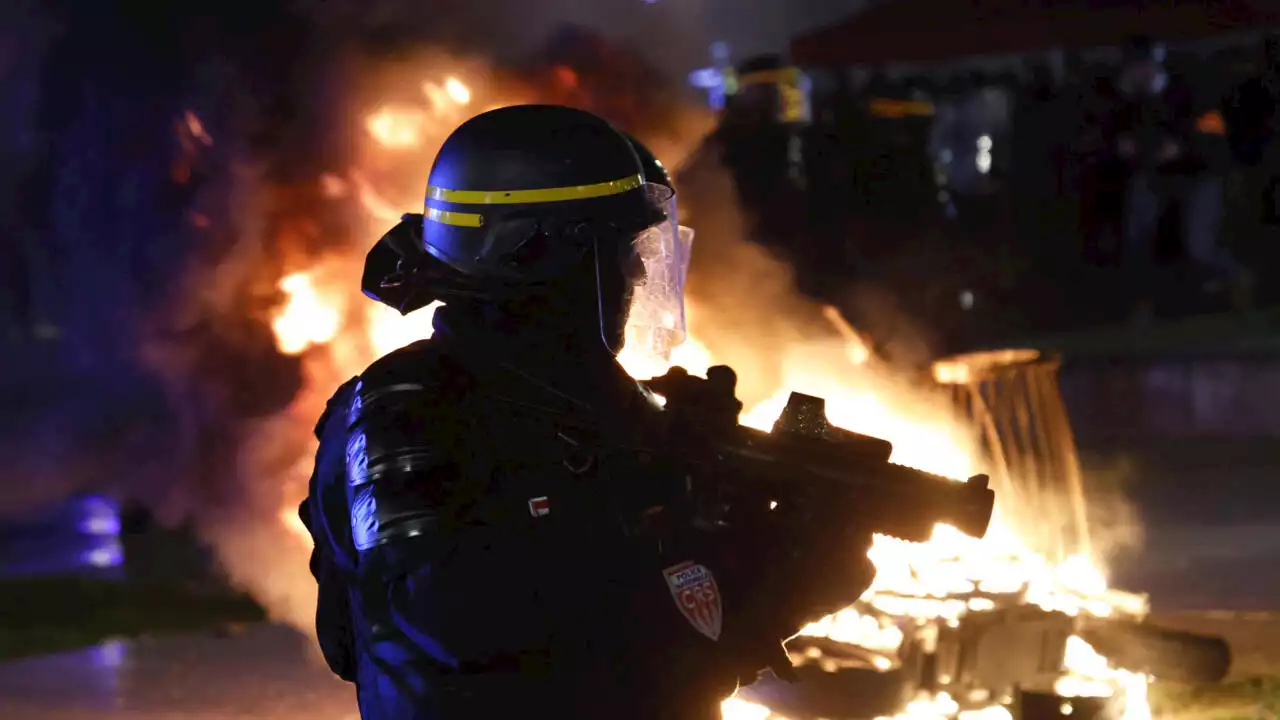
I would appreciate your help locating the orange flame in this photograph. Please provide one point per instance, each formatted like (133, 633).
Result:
(305, 320)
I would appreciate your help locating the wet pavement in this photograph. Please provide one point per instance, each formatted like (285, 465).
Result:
(269, 672)
(264, 673)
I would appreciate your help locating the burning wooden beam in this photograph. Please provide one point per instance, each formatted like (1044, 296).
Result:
(1159, 652)
(1017, 656)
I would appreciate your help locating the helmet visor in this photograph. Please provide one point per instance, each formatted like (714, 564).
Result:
(656, 322)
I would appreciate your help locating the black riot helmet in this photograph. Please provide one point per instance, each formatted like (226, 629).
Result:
(654, 170)
(534, 200)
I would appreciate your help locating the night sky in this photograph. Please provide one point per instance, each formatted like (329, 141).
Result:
(676, 34)
(768, 25)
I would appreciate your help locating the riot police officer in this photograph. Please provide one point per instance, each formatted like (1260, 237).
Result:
(1166, 152)
(484, 545)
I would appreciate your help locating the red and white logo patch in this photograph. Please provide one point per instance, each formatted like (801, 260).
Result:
(539, 506)
(696, 594)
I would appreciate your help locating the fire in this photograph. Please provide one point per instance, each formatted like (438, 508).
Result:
(940, 580)
(389, 331)
(456, 91)
(1092, 675)
(396, 126)
(738, 709)
(305, 320)
(196, 128)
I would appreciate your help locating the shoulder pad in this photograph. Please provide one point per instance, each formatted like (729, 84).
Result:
(339, 398)
(422, 367)
(423, 363)
(420, 361)
(407, 433)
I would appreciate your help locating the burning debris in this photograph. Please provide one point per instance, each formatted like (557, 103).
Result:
(990, 628)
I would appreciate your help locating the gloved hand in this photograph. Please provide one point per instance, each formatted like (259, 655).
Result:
(781, 578)
(700, 404)
(809, 573)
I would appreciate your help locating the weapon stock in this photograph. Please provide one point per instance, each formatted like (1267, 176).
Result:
(811, 470)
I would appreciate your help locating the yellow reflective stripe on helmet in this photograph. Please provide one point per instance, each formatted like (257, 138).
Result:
(459, 219)
(544, 195)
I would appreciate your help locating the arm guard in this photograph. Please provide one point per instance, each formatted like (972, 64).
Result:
(332, 558)
(403, 429)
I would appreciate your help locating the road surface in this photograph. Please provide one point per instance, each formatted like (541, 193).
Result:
(269, 672)
(265, 673)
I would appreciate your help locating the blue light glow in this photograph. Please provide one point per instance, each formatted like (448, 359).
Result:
(712, 79)
(108, 555)
(99, 516)
(111, 654)
(100, 525)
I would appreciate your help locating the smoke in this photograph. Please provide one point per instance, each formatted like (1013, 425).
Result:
(745, 308)
(897, 333)
(215, 427)
(743, 302)
(1115, 524)
(264, 83)
(667, 33)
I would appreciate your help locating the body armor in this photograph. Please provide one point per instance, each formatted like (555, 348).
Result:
(491, 538)
(399, 445)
